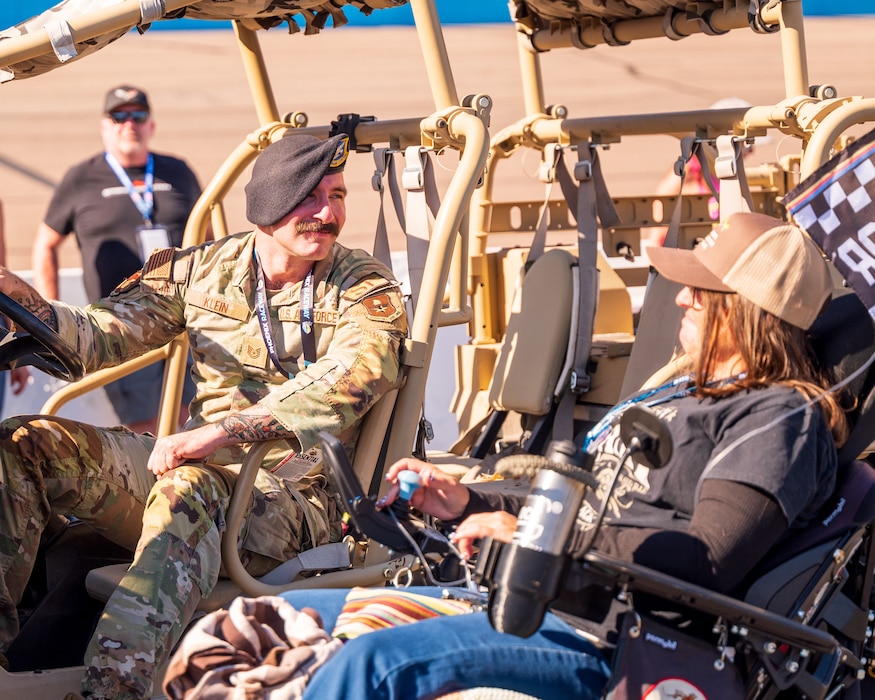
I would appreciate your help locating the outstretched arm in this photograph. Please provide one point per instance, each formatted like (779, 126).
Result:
(44, 260)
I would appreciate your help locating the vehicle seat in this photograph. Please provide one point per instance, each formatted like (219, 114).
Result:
(532, 368)
(531, 357)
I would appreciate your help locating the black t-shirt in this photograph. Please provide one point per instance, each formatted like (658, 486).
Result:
(93, 203)
(766, 439)
(790, 456)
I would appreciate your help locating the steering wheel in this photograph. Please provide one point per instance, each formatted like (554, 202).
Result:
(40, 347)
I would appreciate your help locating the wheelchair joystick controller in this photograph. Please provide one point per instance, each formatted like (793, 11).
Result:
(530, 571)
(408, 482)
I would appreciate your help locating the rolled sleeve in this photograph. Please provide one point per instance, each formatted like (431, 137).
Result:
(120, 327)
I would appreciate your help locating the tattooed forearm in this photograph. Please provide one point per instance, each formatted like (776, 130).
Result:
(40, 308)
(20, 291)
(247, 427)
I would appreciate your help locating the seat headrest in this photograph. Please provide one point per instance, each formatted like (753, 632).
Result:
(843, 337)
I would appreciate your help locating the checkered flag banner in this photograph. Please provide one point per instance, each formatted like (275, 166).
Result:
(836, 207)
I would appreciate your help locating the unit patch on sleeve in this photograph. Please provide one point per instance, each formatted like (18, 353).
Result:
(127, 284)
(379, 307)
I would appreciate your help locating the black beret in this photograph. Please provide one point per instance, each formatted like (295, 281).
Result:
(288, 170)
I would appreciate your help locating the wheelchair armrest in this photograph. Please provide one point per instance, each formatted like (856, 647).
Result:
(635, 577)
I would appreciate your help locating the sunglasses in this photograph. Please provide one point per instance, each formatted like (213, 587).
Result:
(138, 116)
(696, 298)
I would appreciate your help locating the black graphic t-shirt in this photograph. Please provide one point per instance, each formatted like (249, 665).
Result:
(91, 202)
(765, 438)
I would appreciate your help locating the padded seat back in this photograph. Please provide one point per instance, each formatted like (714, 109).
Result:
(844, 339)
(535, 344)
(797, 560)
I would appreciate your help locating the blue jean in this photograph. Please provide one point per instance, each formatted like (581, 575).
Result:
(430, 658)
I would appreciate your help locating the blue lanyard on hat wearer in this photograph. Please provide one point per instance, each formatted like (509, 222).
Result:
(308, 339)
(144, 202)
(600, 429)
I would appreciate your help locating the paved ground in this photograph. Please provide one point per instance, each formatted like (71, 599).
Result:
(203, 109)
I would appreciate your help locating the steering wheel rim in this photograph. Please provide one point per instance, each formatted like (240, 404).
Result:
(41, 347)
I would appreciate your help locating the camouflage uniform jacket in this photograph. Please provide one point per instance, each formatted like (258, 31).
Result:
(209, 291)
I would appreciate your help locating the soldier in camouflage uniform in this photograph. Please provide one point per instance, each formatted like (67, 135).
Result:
(291, 334)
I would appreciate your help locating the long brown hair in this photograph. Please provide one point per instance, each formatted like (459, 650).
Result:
(773, 352)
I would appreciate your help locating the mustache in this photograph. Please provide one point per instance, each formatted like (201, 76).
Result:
(317, 227)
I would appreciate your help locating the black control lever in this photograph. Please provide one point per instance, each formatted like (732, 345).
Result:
(376, 523)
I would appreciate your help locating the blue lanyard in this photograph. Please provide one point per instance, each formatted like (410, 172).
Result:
(308, 339)
(600, 429)
(145, 201)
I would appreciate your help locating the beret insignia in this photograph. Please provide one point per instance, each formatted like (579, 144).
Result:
(341, 153)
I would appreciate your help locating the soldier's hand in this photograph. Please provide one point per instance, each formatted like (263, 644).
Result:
(172, 450)
(12, 285)
(6, 280)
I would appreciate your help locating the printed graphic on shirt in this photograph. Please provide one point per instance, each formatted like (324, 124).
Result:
(139, 186)
(633, 479)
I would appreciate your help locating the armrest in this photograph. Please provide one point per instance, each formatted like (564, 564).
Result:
(635, 577)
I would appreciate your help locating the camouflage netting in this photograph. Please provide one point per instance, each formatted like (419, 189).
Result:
(314, 15)
(607, 9)
(583, 14)
(270, 13)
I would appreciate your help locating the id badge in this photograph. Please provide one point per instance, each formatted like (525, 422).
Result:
(151, 237)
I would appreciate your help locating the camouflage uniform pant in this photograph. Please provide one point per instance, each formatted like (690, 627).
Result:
(172, 524)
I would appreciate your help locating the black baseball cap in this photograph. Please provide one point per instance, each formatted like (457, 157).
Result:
(125, 95)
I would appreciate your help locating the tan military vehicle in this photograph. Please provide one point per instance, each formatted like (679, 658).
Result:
(552, 289)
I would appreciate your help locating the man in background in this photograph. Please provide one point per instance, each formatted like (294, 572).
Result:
(120, 204)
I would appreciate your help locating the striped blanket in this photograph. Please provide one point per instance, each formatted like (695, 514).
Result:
(260, 648)
(369, 609)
